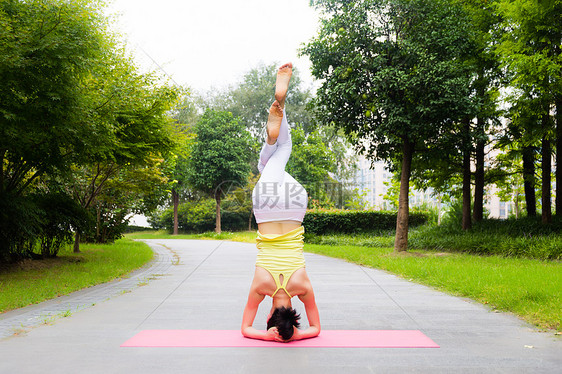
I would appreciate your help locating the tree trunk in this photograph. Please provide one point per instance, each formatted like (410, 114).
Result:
(546, 155)
(529, 180)
(175, 201)
(77, 242)
(218, 222)
(250, 220)
(517, 205)
(401, 239)
(466, 176)
(478, 213)
(558, 202)
(98, 223)
(466, 219)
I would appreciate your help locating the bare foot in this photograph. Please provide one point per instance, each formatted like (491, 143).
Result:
(282, 84)
(274, 122)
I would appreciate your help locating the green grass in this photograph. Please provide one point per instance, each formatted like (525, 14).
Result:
(36, 281)
(532, 289)
(529, 288)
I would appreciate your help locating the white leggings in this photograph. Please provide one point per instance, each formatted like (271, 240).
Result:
(274, 157)
(278, 196)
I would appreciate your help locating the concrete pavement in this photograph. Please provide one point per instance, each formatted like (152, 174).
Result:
(207, 289)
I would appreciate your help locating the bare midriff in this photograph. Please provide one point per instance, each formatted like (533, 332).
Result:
(278, 227)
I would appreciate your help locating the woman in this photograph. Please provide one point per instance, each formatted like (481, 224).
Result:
(279, 207)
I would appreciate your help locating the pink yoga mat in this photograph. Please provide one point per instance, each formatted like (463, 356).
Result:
(326, 339)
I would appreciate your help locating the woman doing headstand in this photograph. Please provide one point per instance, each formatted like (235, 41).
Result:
(279, 207)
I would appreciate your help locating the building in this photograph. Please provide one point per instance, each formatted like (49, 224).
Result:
(373, 179)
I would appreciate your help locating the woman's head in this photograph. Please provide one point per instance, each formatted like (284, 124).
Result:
(285, 319)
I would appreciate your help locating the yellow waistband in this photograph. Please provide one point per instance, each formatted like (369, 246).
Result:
(296, 234)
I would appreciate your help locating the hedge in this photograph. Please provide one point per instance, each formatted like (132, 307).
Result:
(524, 237)
(355, 221)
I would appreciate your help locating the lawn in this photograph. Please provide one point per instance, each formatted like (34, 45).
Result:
(33, 281)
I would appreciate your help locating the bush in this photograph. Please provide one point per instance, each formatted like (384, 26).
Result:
(321, 222)
(110, 224)
(525, 237)
(134, 228)
(200, 216)
(20, 227)
(61, 217)
(37, 225)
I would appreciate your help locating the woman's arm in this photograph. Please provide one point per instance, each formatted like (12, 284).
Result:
(254, 300)
(313, 317)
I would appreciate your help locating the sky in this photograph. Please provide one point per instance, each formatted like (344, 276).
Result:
(212, 43)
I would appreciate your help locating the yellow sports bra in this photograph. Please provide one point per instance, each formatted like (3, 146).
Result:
(281, 255)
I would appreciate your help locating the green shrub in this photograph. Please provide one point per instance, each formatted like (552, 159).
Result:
(20, 227)
(200, 216)
(37, 225)
(110, 224)
(135, 228)
(526, 237)
(351, 221)
(523, 238)
(61, 217)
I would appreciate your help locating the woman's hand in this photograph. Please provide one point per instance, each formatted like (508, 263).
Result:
(273, 334)
(297, 335)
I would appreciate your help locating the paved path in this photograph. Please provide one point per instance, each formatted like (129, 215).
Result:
(208, 290)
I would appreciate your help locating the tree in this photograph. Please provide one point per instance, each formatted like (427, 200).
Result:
(74, 108)
(219, 157)
(130, 113)
(531, 50)
(520, 144)
(311, 163)
(186, 115)
(392, 78)
(488, 76)
(47, 50)
(118, 191)
(447, 164)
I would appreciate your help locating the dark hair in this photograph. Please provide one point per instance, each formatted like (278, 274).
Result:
(284, 319)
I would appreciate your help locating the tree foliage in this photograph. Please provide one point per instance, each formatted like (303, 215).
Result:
(391, 77)
(130, 112)
(311, 163)
(76, 119)
(220, 155)
(530, 51)
(47, 51)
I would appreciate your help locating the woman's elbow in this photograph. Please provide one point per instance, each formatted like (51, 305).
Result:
(245, 332)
